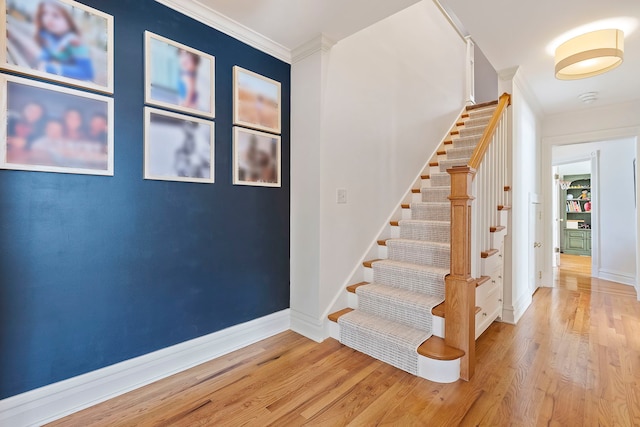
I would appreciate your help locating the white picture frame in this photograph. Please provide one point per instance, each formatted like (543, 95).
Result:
(178, 77)
(257, 101)
(257, 158)
(81, 57)
(51, 128)
(178, 147)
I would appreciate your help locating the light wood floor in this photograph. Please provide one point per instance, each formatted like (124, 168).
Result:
(573, 359)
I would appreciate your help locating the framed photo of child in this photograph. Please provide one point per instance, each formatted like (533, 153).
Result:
(179, 77)
(178, 147)
(256, 158)
(256, 101)
(59, 40)
(50, 128)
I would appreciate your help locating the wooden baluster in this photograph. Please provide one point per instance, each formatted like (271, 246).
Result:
(460, 287)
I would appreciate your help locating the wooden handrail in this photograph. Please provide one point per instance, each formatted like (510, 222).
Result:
(483, 145)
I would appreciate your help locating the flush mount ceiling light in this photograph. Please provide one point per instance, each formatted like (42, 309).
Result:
(589, 54)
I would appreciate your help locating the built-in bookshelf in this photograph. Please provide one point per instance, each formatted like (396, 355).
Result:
(577, 216)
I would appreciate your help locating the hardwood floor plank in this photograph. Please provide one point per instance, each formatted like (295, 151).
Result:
(573, 360)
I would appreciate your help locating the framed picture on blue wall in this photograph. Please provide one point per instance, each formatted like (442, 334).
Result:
(178, 147)
(49, 128)
(256, 158)
(59, 40)
(256, 101)
(178, 77)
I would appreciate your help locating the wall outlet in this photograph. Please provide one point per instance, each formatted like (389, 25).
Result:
(341, 196)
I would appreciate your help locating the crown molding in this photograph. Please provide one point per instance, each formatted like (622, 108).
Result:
(222, 23)
(321, 43)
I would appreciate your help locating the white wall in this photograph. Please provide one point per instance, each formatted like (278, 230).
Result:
(389, 96)
(610, 122)
(525, 171)
(577, 168)
(616, 227)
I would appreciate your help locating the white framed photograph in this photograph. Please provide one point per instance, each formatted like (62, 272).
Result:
(59, 40)
(178, 77)
(256, 101)
(256, 158)
(50, 128)
(178, 147)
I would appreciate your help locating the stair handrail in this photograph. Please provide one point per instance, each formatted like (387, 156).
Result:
(489, 131)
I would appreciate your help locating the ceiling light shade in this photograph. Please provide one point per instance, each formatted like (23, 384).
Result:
(589, 54)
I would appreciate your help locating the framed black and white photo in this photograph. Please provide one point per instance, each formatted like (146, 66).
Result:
(178, 77)
(50, 128)
(256, 158)
(59, 40)
(178, 147)
(256, 101)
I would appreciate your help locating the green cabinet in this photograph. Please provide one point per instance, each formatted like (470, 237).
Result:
(577, 242)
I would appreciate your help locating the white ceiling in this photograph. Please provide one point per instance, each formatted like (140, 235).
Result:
(292, 23)
(516, 33)
(510, 33)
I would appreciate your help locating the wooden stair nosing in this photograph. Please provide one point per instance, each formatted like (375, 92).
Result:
(352, 288)
(436, 348)
(432, 164)
(405, 206)
(484, 104)
(496, 228)
(369, 263)
(415, 190)
(441, 152)
(454, 132)
(382, 242)
(425, 176)
(459, 123)
(448, 142)
(504, 207)
(335, 316)
(488, 253)
(394, 223)
(464, 116)
(482, 280)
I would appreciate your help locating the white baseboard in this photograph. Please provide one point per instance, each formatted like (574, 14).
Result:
(54, 401)
(308, 326)
(616, 276)
(511, 314)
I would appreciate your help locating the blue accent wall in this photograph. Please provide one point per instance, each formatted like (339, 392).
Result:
(96, 270)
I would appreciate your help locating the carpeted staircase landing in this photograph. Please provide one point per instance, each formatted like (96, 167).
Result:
(394, 311)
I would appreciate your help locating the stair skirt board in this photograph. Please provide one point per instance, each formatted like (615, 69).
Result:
(390, 342)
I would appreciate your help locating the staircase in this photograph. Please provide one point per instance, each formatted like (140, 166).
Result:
(397, 314)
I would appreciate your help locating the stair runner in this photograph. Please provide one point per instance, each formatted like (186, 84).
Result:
(394, 311)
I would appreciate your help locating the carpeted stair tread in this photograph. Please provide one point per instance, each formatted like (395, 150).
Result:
(460, 152)
(470, 141)
(435, 194)
(431, 231)
(472, 131)
(440, 179)
(398, 305)
(478, 121)
(431, 211)
(448, 164)
(419, 252)
(390, 342)
(409, 276)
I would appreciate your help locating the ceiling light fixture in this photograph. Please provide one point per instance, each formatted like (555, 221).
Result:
(589, 54)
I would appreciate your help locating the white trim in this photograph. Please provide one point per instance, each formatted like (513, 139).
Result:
(617, 276)
(512, 314)
(54, 401)
(320, 43)
(308, 326)
(196, 10)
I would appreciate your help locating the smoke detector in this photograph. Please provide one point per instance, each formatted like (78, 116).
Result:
(588, 97)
